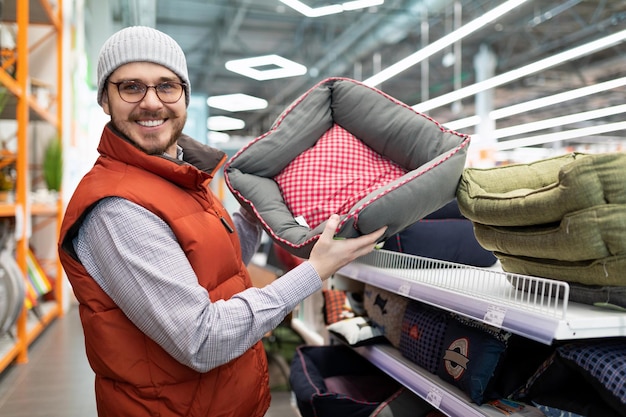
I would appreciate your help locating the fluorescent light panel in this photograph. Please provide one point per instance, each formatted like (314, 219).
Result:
(220, 123)
(217, 137)
(515, 74)
(558, 136)
(308, 11)
(553, 137)
(360, 4)
(554, 122)
(237, 102)
(442, 43)
(538, 103)
(279, 67)
(557, 98)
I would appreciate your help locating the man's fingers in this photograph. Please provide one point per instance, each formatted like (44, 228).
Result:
(331, 226)
(333, 223)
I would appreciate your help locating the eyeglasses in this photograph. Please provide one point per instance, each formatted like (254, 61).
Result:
(134, 91)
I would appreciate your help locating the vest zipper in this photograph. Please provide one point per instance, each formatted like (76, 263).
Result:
(226, 225)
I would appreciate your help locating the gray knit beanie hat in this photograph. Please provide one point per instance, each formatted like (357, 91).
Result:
(141, 43)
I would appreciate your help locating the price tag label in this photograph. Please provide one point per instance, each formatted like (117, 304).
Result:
(434, 397)
(495, 315)
(404, 289)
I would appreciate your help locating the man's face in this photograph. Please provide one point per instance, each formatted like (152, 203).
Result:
(153, 126)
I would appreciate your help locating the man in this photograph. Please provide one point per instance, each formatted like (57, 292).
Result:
(172, 326)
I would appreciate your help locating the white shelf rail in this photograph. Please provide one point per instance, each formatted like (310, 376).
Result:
(540, 295)
(533, 307)
(441, 395)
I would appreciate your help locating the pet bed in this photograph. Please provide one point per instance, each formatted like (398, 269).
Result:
(336, 381)
(349, 149)
(581, 378)
(609, 271)
(542, 192)
(592, 233)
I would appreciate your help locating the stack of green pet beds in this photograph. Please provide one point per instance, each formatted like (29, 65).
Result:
(562, 218)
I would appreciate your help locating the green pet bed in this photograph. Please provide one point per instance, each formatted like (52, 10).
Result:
(542, 192)
(610, 271)
(593, 233)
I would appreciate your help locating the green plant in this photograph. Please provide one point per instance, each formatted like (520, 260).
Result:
(7, 180)
(53, 164)
(5, 94)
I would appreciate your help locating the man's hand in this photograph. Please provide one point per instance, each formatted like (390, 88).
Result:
(330, 254)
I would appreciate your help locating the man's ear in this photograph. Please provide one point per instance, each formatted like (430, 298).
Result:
(105, 102)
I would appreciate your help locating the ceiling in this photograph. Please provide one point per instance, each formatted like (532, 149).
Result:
(360, 43)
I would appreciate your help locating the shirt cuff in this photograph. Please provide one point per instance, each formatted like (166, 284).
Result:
(298, 284)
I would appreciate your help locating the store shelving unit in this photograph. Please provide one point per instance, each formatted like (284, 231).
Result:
(25, 109)
(443, 396)
(541, 312)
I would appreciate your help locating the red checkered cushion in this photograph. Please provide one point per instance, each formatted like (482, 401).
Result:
(333, 176)
(334, 305)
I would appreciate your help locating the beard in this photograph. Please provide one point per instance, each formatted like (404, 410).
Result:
(151, 143)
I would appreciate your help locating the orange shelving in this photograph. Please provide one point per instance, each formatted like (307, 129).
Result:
(25, 109)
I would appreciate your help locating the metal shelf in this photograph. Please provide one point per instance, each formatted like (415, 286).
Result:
(40, 12)
(441, 395)
(36, 112)
(23, 107)
(10, 346)
(543, 313)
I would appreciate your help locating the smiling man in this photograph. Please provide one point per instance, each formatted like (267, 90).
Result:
(172, 324)
(154, 121)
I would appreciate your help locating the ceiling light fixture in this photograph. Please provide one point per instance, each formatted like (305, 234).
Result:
(442, 43)
(555, 122)
(266, 67)
(217, 137)
(360, 4)
(236, 102)
(220, 123)
(331, 8)
(515, 74)
(538, 103)
(558, 136)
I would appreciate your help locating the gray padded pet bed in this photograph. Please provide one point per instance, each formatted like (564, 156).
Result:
(346, 148)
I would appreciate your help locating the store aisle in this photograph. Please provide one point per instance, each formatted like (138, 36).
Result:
(57, 381)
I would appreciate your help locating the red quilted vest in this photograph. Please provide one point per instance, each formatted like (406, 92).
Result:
(135, 376)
